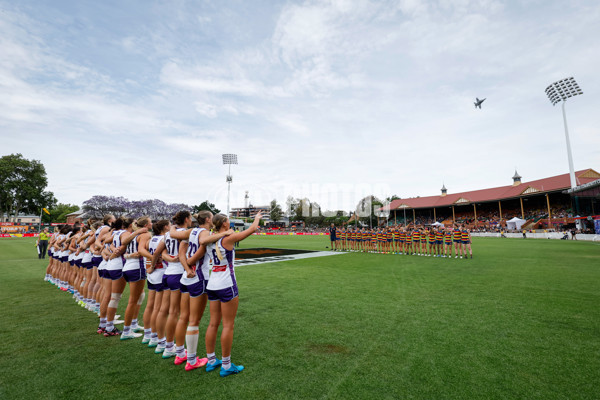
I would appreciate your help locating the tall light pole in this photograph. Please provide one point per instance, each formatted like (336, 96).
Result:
(229, 159)
(561, 91)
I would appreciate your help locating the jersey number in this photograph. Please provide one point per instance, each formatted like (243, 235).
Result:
(172, 247)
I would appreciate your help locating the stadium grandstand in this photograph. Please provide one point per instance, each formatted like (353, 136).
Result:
(543, 203)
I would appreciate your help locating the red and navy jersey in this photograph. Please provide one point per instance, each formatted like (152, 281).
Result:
(448, 237)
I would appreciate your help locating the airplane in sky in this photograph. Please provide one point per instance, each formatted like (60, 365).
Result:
(478, 102)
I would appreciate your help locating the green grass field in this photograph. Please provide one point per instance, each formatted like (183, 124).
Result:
(520, 320)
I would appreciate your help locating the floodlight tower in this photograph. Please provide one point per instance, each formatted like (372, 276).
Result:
(229, 159)
(561, 91)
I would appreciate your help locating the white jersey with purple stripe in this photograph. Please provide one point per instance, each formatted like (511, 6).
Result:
(202, 266)
(117, 262)
(77, 246)
(99, 230)
(135, 262)
(172, 245)
(157, 275)
(222, 273)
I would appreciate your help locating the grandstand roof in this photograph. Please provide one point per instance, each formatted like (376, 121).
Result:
(540, 186)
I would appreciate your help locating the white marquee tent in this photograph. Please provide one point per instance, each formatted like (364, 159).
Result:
(515, 223)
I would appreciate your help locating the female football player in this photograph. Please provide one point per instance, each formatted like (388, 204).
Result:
(223, 294)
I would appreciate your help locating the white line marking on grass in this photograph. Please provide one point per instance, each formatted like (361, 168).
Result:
(264, 260)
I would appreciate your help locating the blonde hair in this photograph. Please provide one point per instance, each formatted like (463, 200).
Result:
(107, 218)
(141, 222)
(219, 220)
(203, 216)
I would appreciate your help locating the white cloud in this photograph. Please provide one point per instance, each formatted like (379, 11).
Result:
(382, 90)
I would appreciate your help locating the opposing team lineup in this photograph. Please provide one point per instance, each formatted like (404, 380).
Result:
(422, 241)
(184, 269)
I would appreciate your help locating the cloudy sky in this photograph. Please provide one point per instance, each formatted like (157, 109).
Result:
(326, 99)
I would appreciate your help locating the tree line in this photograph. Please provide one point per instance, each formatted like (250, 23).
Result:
(23, 190)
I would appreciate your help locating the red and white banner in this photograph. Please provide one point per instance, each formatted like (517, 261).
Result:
(17, 235)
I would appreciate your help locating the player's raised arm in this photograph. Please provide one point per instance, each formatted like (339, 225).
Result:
(239, 236)
(207, 238)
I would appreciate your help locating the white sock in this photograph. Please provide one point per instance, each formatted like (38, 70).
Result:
(134, 323)
(192, 345)
(180, 351)
(212, 358)
(227, 362)
(170, 346)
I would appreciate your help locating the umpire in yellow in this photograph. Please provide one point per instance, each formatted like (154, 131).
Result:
(43, 243)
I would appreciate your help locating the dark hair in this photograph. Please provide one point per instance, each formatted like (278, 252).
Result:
(76, 229)
(180, 217)
(65, 229)
(219, 220)
(159, 226)
(203, 216)
(117, 224)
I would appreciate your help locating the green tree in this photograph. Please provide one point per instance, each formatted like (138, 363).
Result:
(206, 205)
(276, 211)
(23, 184)
(59, 213)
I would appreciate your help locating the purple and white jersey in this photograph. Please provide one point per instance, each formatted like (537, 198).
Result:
(134, 263)
(222, 274)
(55, 236)
(157, 275)
(87, 255)
(115, 263)
(202, 266)
(77, 246)
(58, 239)
(172, 245)
(66, 244)
(99, 230)
(116, 238)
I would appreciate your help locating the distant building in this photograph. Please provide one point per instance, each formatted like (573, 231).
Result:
(22, 219)
(74, 217)
(250, 212)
